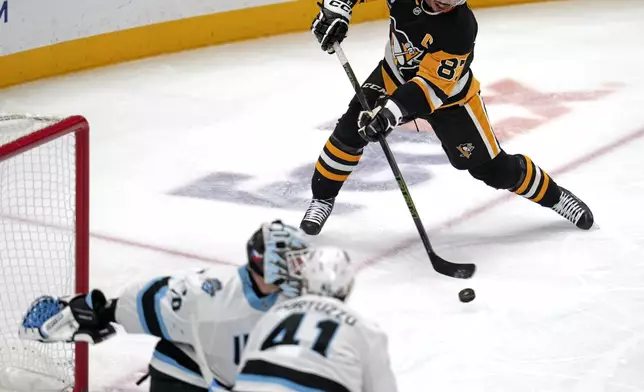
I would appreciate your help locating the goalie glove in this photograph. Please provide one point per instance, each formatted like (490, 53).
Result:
(82, 318)
(332, 23)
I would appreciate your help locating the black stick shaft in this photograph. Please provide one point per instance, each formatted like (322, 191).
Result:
(440, 265)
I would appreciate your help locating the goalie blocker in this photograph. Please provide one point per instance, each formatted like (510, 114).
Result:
(203, 318)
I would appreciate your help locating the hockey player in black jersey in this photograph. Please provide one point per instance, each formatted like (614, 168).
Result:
(426, 74)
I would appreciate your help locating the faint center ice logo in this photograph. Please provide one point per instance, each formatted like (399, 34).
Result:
(371, 175)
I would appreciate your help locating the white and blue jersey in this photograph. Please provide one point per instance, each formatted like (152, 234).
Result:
(223, 304)
(315, 344)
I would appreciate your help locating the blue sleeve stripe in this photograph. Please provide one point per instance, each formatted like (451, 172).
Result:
(261, 304)
(157, 310)
(140, 306)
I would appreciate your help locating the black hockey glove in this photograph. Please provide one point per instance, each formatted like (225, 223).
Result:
(380, 121)
(82, 318)
(332, 23)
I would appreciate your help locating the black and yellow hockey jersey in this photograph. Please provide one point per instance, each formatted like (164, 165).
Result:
(428, 56)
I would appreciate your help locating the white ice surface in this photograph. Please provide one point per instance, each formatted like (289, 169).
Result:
(558, 309)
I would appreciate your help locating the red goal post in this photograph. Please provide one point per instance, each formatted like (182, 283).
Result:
(44, 243)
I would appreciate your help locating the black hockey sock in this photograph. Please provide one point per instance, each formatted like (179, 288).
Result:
(335, 164)
(536, 185)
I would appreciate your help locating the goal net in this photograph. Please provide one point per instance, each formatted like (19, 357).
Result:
(44, 242)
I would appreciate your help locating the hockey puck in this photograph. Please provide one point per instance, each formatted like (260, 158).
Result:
(466, 295)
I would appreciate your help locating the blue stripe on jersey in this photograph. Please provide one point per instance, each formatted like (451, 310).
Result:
(215, 386)
(157, 309)
(166, 359)
(277, 381)
(257, 303)
(139, 305)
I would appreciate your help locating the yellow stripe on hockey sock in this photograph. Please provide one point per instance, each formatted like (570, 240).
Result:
(341, 154)
(544, 187)
(528, 177)
(328, 174)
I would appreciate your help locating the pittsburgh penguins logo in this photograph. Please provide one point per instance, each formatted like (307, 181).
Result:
(406, 55)
(466, 150)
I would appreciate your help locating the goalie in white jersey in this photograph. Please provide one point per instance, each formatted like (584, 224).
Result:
(316, 343)
(202, 318)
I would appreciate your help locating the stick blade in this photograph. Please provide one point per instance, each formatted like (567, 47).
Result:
(459, 271)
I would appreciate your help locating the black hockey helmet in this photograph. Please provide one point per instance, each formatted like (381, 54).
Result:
(255, 250)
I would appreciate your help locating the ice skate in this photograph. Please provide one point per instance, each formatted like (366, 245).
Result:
(316, 215)
(573, 209)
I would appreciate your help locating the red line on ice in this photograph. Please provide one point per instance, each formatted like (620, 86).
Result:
(134, 244)
(120, 241)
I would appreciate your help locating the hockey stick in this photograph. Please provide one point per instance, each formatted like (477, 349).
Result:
(442, 266)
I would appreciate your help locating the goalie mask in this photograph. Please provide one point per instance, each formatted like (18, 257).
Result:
(276, 252)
